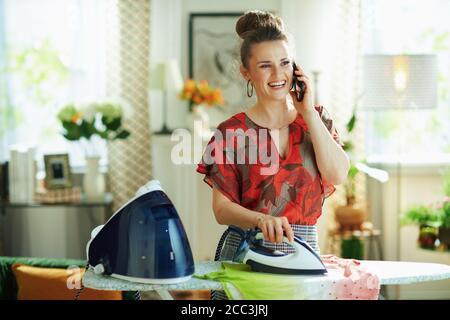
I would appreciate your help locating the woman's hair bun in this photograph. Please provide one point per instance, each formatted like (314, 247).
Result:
(255, 19)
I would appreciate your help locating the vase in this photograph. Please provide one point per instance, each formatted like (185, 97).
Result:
(444, 236)
(198, 121)
(350, 217)
(93, 180)
(427, 236)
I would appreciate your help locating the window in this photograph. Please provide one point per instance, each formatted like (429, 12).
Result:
(409, 27)
(52, 53)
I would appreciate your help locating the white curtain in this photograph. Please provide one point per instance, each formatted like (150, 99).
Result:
(70, 32)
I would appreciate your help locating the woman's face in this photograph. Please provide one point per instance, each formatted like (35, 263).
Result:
(270, 70)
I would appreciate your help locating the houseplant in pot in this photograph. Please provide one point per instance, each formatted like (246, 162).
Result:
(352, 215)
(444, 227)
(444, 208)
(433, 219)
(85, 124)
(427, 217)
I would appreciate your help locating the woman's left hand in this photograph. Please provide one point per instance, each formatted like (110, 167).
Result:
(306, 104)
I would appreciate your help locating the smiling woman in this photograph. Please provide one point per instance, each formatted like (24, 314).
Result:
(284, 195)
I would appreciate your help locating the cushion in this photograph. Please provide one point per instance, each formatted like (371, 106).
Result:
(36, 283)
(8, 284)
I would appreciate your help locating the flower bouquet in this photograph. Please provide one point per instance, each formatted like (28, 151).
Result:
(200, 93)
(96, 119)
(101, 120)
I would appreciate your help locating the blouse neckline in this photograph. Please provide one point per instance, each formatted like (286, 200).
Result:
(290, 136)
(260, 126)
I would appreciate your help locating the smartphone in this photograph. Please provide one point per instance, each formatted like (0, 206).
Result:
(297, 83)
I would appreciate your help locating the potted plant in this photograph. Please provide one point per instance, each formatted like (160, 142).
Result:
(433, 219)
(83, 123)
(352, 215)
(444, 215)
(96, 119)
(427, 217)
(444, 227)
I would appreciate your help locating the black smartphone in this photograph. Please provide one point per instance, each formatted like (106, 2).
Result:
(297, 83)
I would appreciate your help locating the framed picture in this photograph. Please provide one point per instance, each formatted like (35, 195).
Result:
(214, 55)
(57, 171)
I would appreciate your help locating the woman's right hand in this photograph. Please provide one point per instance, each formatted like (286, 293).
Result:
(274, 228)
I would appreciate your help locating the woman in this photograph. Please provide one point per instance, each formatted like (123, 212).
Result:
(283, 196)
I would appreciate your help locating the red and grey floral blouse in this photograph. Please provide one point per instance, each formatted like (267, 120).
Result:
(242, 161)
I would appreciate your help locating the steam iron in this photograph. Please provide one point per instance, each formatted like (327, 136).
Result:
(304, 261)
(144, 241)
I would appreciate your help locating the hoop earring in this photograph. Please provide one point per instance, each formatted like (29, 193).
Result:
(251, 93)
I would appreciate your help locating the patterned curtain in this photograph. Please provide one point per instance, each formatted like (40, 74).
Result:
(128, 77)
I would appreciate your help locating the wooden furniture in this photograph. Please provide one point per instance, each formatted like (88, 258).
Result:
(51, 230)
(371, 239)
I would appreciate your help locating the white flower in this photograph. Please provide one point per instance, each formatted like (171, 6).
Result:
(109, 110)
(89, 112)
(67, 113)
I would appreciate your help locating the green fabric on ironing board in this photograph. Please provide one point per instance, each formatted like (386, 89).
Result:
(255, 285)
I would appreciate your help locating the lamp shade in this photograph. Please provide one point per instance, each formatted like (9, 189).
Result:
(166, 76)
(399, 82)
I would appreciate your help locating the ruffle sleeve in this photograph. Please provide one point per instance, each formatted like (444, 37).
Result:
(329, 124)
(219, 167)
(328, 188)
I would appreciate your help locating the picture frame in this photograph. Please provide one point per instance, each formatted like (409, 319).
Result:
(57, 171)
(214, 56)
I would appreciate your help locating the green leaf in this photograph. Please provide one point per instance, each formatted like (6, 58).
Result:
(122, 135)
(112, 125)
(69, 126)
(353, 171)
(72, 135)
(73, 131)
(103, 134)
(348, 145)
(421, 215)
(87, 129)
(351, 123)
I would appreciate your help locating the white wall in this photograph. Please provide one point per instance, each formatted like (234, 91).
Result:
(418, 184)
(169, 39)
(165, 43)
(312, 25)
(311, 22)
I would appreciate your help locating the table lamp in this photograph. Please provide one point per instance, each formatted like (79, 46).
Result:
(166, 77)
(399, 82)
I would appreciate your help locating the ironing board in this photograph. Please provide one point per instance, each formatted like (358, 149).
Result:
(389, 273)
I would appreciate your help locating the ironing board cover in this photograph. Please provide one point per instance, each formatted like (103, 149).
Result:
(346, 280)
(296, 190)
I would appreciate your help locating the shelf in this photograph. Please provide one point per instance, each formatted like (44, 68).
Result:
(83, 203)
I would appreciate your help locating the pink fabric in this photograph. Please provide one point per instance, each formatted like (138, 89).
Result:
(357, 283)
